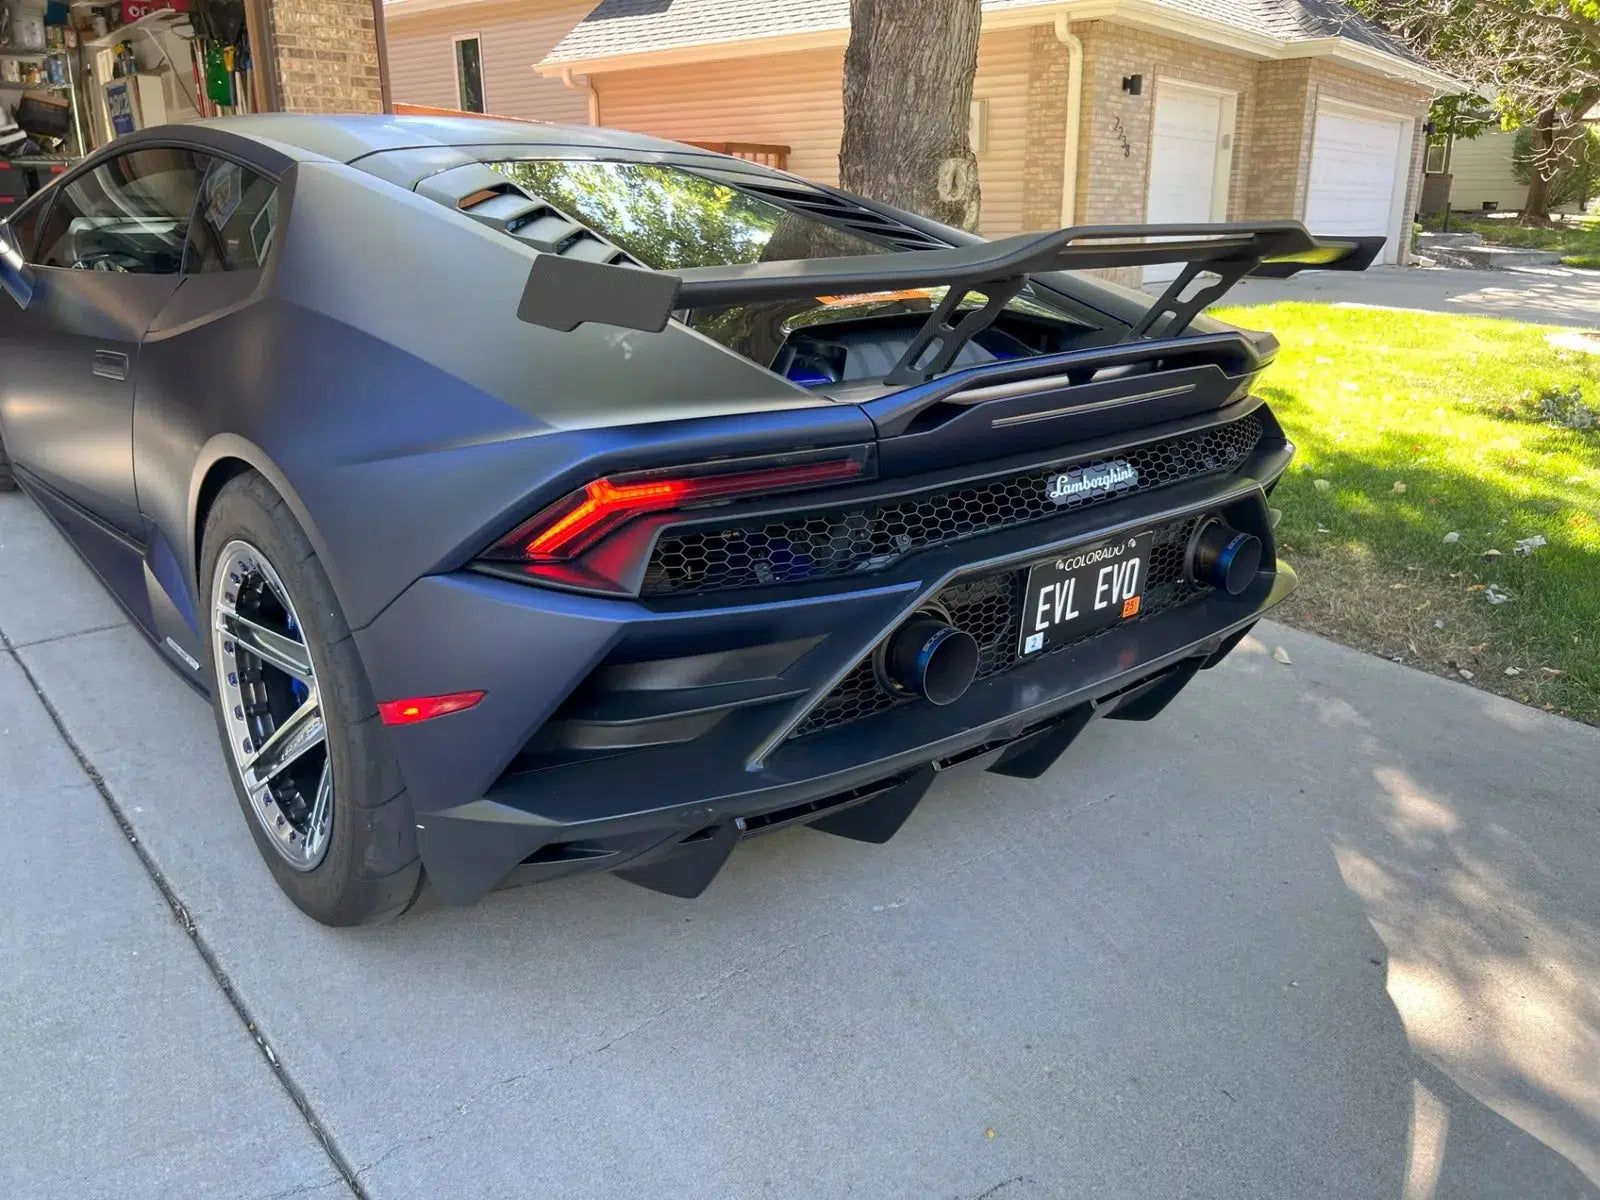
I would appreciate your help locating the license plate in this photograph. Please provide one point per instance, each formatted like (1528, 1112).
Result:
(1083, 591)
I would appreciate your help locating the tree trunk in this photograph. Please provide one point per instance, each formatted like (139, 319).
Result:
(1541, 169)
(907, 99)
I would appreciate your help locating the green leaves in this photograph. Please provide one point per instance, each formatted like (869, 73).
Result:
(1537, 56)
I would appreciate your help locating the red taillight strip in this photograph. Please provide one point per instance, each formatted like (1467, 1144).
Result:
(576, 522)
(425, 708)
(601, 504)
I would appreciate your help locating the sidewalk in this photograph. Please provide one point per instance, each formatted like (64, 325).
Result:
(127, 1072)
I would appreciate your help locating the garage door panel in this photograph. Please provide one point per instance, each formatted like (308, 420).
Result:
(1354, 173)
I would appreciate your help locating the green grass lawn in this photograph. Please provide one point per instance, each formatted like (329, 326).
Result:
(1576, 240)
(1413, 426)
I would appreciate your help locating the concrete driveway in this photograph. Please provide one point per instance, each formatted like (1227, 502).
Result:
(1544, 295)
(1325, 929)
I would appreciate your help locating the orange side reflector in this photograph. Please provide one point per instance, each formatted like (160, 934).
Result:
(425, 708)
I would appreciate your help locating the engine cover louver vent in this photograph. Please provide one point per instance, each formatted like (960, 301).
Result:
(491, 199)
(487, 196)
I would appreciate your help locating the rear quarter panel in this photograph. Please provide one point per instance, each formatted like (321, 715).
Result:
(376, 373)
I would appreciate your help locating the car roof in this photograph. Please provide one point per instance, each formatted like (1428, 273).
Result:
(348, 137)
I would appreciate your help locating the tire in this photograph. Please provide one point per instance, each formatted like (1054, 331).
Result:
(345, 858)
(8, 481)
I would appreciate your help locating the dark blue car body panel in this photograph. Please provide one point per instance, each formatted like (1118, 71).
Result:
(375, 373)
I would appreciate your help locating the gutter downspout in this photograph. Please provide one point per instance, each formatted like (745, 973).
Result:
(381, 36)
(587, 88)
(1069, 150)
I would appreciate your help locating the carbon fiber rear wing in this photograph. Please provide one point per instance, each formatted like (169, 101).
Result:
(564, 293)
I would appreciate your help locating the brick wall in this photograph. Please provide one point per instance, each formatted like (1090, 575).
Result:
(326, 55)
(1280, 139)
(1112, 176)
(1049, 66)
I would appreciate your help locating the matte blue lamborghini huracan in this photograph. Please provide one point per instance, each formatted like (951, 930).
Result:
(534, 500)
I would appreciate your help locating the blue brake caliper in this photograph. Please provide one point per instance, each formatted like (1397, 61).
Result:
(300, 690)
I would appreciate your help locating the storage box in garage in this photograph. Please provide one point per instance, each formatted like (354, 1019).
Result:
(44, 115)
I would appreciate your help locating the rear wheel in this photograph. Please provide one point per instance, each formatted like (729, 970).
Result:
(319, 788)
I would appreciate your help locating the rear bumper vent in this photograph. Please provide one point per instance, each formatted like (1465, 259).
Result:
(990, 609)
(810, 810)
(831, 545)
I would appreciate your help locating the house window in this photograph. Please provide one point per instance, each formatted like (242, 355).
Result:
(469, 74)
(1436, 157)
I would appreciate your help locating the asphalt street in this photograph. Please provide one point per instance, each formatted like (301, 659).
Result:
(1327, 928)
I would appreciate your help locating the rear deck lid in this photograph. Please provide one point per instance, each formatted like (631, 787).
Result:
(670, 217)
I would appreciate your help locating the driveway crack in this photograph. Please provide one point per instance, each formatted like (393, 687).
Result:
(300, 1189)
(63, 637)
(180, 914)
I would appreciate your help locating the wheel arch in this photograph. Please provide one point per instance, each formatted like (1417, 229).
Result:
(223, 459)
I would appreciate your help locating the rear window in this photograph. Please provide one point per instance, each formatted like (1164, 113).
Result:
(670, 219)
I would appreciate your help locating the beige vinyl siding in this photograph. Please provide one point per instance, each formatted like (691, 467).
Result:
(514, 37)
(1480, 170)
(1003, 60)
(784, 99)
(795, 100)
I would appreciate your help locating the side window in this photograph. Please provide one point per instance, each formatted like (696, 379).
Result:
(25, 225)
(234, 227)
(469, 74)
(130, 214)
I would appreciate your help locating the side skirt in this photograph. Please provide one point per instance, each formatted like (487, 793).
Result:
(122, 567)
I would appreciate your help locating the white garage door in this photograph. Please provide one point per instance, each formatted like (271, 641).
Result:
(1183, 162)
(1354, 173)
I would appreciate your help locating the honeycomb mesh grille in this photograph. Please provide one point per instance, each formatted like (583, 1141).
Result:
(828, 545)
(990, 609)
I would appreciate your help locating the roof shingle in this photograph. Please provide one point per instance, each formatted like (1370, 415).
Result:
(640, 26)
(1302, 20)
(617, 27)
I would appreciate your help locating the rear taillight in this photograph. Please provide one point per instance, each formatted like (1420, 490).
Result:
(584, 524)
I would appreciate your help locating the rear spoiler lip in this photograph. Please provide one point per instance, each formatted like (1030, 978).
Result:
(563, 293)
(1251, 353)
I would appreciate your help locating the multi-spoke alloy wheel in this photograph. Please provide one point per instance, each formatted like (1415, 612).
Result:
(310, 759)
(271, 706)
